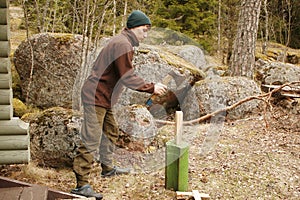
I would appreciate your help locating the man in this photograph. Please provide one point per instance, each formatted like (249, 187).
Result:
(112, 71)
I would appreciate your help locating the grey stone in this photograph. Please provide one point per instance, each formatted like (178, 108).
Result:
(215, 93)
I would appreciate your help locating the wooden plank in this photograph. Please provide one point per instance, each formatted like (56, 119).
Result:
(15, 126)
(10, 193)
(4, 48)
(14, 142)
(4, 3)
(14, 156)
(52, 194)
(8, 183)
(55, 195)
(6, 96)
(35, 192)
(196, 195)
(4, 32)
(5, 81)
(5, 65)
(6, 112)
(4, 16)
(183, 195)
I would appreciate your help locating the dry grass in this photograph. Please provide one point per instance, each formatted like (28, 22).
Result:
(249, 161)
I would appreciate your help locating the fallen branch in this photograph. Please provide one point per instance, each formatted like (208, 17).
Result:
(263, 97)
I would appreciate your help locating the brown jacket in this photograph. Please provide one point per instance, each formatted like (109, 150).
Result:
(112, 71)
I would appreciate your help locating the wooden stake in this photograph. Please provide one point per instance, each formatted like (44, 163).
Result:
(176, 170)
(178, 126)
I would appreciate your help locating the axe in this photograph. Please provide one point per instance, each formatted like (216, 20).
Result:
(154, 98)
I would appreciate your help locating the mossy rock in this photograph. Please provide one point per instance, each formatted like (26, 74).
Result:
(19, 108)
(54, 136)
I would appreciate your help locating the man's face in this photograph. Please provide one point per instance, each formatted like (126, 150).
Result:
(141, 32)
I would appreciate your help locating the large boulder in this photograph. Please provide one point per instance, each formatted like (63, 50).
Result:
(216, 92)
(276, 73)
(55, 133)
(55, 76)
(154, 64)
(190, 53)
(47, 65)
(54, 136)
(136, 121)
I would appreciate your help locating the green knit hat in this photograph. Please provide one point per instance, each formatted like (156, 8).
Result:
(137, 18)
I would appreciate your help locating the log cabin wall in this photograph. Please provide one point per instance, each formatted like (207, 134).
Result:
(14, 133)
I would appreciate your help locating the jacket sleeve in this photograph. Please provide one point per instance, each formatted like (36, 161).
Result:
(127, 75)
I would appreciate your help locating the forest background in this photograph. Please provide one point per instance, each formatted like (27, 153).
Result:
(212, 24)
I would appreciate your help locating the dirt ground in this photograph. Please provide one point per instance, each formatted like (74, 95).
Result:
(254, 158)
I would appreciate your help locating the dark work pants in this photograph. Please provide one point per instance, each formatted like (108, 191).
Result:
(99, 132)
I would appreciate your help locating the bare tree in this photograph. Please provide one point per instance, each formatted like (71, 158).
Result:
(100, 26)
(243, 55)
(124, 14)
(75, 15)
(115, 17)
(38, 13)
(266, 36)
(288, 27)
(54, 16)
(219, 26)
(31, 48)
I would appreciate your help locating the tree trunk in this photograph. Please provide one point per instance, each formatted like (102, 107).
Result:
(243, 55)
(219, 26)
(124, 14)
(115, 13)
(266, 38)
(288, 28)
